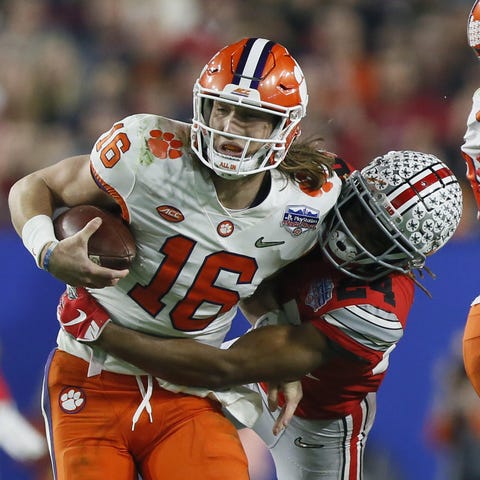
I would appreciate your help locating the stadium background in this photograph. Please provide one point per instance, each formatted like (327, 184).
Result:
(382, 76)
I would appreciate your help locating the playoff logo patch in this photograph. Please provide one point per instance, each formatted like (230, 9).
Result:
(319, 293)
(298, 219)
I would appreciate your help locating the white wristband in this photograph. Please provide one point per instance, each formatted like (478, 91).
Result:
(36, 233)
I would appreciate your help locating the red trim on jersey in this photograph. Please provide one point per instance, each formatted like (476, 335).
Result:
(472, 176)
(358, 418)
(348, 343)
(335, 389)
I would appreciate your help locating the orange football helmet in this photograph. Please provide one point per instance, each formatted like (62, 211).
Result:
(473, 28)
(258, 74)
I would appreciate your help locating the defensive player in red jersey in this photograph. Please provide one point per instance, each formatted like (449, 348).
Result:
(332, 317)
(241, 211)
(471, 154)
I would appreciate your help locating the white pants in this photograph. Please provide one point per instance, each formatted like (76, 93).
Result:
(319, 449)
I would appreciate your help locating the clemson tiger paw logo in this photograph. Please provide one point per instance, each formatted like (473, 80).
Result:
(72, 399)
(225, 228)
(326, 187)
(164, 144)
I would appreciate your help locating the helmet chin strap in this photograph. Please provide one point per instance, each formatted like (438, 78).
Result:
(217, 159)
(221, 161)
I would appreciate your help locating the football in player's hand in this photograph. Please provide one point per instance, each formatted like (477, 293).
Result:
(111, 246)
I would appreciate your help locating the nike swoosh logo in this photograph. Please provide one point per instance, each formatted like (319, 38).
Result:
(299, 443)
(81, 318)
(261, 244)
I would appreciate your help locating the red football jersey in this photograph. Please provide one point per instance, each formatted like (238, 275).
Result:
(363, 322)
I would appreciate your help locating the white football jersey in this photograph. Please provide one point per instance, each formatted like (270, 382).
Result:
(195, 259)
(471, 147)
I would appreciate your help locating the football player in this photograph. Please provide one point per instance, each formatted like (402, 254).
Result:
(215, 209)
(332, 318)
(471, 154)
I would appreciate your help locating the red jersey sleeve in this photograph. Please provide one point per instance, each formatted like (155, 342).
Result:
(363, 321)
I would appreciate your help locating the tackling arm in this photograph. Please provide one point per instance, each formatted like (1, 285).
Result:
(271, 354)
(261, 302)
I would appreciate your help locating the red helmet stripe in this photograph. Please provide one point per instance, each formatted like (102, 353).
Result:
(424, 185)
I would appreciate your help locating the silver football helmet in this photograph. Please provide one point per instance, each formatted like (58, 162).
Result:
(391, 215)
(473, 28)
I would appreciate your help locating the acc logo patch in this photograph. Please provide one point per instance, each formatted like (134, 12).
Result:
(298, 219)
(171, 214)
(319, 293)
(72, 399)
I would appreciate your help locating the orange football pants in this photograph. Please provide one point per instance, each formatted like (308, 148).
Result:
(89, 424)
(471, 347)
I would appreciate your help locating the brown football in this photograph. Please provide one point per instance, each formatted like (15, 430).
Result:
(112, 245)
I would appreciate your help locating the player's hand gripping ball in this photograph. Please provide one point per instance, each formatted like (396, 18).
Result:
(111, 246)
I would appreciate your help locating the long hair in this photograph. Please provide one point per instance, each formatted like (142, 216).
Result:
(307, 164)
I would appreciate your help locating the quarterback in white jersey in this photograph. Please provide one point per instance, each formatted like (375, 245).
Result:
(215, 206)
(332, 317)
(195, 258)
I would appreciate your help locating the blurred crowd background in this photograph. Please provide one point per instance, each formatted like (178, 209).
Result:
(395, 74)
(382, 75)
